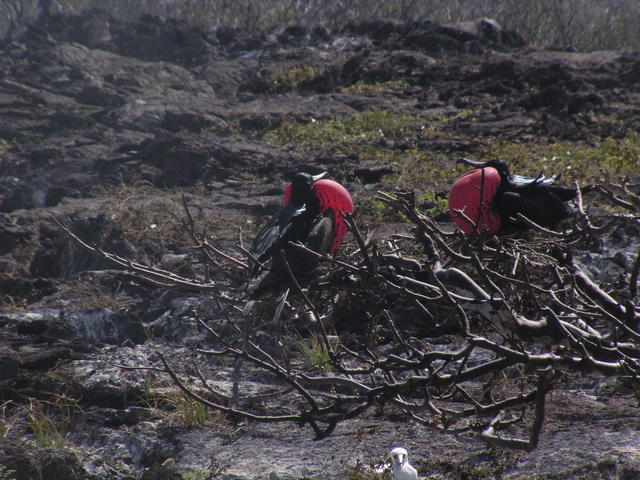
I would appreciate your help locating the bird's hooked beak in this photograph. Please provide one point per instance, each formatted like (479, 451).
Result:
(315, 178)
(472, 163)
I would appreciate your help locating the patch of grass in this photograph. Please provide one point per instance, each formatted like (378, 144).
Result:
(573, 160)
(362, 472)
(6, 473)
(195, 474)
(142, 211)
(6, 425)
(371, 211)
(90, 294)
(433, 204)
(363, 136)
(414, 169)
(374, 89)
(49, 431)
(190, 412)
(314, 354)
(291, 77)
(214, 469)
(174, 404)
(360, 136)
(493, 470)
(347, 134)
(10, 303)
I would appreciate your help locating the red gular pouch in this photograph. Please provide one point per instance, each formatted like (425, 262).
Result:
(335, 197)
(473, 194)
(331, 196)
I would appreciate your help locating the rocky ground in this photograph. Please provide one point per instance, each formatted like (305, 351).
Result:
(105, 125)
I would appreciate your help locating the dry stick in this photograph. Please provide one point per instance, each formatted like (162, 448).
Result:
(417, 219)
(633, 280)
(594, 293)
(208, 246)
(314, 310)
(359, 240)
(191, 228)
(221, 397)
(396, 333)
(157, 276)
(301, 417)
(203, 244)
(578, 312)
(615, 199)
(633, 203)
(480, 268)
(327, 258)
(274, 368)
(590, 228)
(466, 326)
(489, 433)
(530, 223)
(251, 256)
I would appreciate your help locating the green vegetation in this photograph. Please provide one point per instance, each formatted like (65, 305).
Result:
(292, 77)
(5, 421)
(433, 204)
(372, 89)
(213, 470)
(6, 473)
(362, 472)
(572, 159)
(314, 354)
(49, 431)
(358, 136)
(173, 403)
(430, 174)
(141, 211)
(459, 471)
(195, 474)
(190, 412)
(349, 134)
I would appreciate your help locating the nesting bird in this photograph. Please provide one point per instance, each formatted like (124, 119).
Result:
(490, 198)
(312, 216)
(401, 469)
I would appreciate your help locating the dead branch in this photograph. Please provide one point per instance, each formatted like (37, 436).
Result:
(515, 310)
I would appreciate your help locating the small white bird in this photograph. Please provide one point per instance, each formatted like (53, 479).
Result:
(401, 469)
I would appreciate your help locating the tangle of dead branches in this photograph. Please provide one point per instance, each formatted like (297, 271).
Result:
(511, 316)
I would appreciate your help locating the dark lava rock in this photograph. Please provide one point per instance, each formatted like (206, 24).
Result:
(91, 103)
(97, 326)
(36, 463)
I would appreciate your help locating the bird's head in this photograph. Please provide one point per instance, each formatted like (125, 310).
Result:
(399, 456)
(499, 165)
(301, 186)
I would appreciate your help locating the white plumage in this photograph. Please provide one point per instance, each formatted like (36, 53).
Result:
(401, 469)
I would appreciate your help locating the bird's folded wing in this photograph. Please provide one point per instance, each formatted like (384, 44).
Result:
(275, 229)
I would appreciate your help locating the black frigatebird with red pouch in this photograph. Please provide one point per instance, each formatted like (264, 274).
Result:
(312, 216)
(490, 199)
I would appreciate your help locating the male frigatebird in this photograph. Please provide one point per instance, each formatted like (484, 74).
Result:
(312, 216)
(490, 198)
